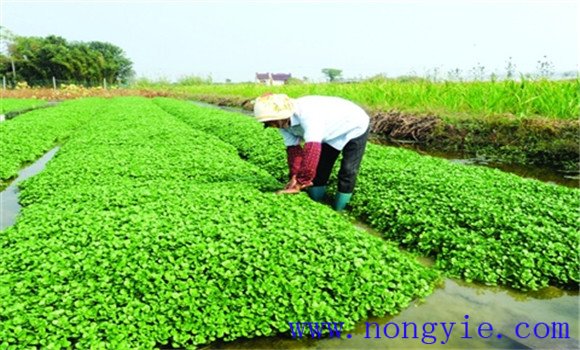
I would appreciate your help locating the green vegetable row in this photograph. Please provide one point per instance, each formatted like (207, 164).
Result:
(143, 232)
(480, 224)
(17, 104)
(27, 137)
(260, 146)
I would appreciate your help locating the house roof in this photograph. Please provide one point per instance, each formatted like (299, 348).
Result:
(281, 76)
(275, 76)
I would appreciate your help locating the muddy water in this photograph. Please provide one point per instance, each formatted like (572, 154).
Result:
(9, 207)
(569, 179)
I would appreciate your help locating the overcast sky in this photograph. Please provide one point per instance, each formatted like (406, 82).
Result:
(236, 39)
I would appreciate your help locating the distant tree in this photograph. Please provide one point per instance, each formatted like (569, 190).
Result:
(412, 77)
(37, 60)
(570, 74)
(380, 78)
(112, 62)
(332, 73)
(433, 74)
(6, 59)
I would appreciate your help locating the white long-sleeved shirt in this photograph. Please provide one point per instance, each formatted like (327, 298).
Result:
(325, 119)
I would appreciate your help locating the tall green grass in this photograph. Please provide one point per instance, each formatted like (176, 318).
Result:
(449, 100)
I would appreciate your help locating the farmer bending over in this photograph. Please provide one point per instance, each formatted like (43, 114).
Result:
(327, 126)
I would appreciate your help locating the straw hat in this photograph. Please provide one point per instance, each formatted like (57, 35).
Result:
(273, 107)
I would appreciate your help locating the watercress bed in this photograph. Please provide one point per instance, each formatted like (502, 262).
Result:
(143, 232)
(26, 138)
(480, 224)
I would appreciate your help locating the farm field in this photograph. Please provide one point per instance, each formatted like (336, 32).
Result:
(148, 200)
(438, 207)
(143, 229)
(27, 137)
(512, 122)
(545, 174)
(155, 224)
(450, 100)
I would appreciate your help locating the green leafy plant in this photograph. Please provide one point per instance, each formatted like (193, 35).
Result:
(16, 104)
(479, 224)
(144, 232)
(27, 137)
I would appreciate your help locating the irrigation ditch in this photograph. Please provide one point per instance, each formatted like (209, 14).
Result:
(5, 183)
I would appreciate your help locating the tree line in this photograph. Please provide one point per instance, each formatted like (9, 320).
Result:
(36, 60)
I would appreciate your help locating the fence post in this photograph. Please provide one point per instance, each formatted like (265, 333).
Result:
(105, 83)
(3, 82)
(53, 83)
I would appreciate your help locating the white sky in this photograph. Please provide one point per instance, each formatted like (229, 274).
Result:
(235, 39)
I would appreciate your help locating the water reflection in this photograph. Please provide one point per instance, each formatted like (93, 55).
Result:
(502, 308)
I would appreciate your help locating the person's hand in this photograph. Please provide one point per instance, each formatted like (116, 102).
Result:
(294, 189)
(292, 183)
